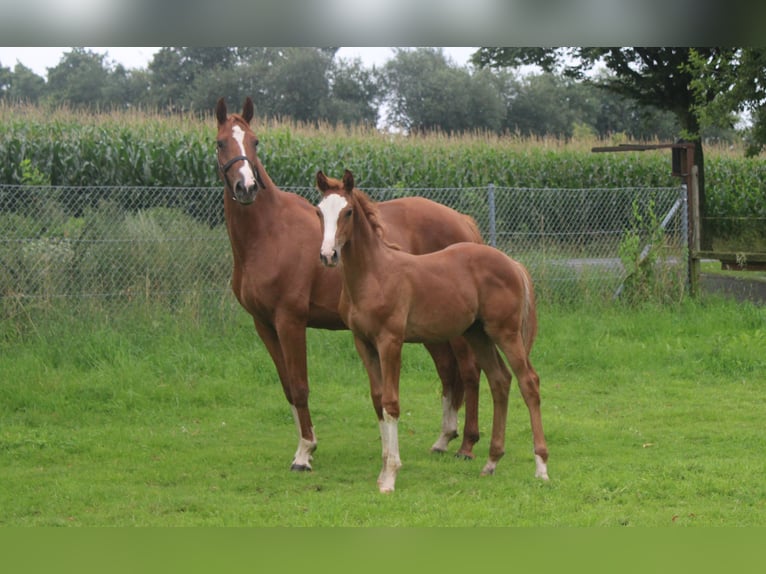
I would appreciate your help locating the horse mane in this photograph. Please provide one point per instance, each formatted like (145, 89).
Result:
(372, 214)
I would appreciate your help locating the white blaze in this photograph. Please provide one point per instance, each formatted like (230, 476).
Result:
(331, 207)
(248, 177)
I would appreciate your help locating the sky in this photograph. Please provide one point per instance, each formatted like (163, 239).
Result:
(39, 59)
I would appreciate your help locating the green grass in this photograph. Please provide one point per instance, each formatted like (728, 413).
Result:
(654, 417)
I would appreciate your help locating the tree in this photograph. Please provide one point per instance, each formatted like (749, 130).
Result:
(354, 94)
(427, 92)
(661, 77)
(298, 86)
(25, 85)
(5, 80)
(78, 79)
(737, 78)
(541, 105)
(175, 72)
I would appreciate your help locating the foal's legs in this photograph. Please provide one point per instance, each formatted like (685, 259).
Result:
(499, 383)
(385, 400)
(470, 375)
(446, 365)
(529, 384)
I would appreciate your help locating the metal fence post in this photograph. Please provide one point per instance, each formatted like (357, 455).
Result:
(492, 222)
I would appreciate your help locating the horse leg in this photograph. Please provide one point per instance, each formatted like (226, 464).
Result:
(387, 422)
(470, 376)
(499, 383)
(529, 385)
(287, 346)
(390, 352)
(446, 365)
(371, 361)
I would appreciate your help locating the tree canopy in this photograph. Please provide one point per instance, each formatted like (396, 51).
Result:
(644, 93)
(667, 78)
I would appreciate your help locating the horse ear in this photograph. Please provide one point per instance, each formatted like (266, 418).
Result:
(348, 181)
(247, 109)
(322, 182)
(220, 110)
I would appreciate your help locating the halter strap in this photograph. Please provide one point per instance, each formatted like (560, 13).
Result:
(225, 167)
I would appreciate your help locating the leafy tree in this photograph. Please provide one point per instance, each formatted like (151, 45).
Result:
(661, 77)
(354, 94)
(25, 85)
(78, 79)
(5, 80)
(737, 79)
(298, 86)
(426, 92)
(486, 108)
(540, 105)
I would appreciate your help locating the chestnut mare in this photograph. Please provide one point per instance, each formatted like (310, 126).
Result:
(391, 297)
(277, 277)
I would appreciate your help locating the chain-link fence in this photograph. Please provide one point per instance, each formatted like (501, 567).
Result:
(169, 243)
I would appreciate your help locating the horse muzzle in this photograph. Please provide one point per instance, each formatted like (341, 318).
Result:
(245, 194)
(331, 259)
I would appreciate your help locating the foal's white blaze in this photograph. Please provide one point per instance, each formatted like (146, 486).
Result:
(248, 177)
(331, 207)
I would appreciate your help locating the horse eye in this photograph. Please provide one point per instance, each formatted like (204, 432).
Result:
(348, 213)
(220, 144)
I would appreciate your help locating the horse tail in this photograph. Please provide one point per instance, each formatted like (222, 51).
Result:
(528, 312)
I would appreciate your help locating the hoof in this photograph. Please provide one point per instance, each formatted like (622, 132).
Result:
(300, 468)
(438, 450)
(465, 455)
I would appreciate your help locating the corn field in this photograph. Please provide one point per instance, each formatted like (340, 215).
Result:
(128, 206)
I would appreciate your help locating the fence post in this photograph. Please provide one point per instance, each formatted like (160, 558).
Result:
(492, 222)
(684, 198)
(693, 217)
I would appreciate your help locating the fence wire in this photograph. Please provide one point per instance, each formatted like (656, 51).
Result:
(128, 243)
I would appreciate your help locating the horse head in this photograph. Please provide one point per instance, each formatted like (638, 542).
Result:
(237, 147)
(335, 212)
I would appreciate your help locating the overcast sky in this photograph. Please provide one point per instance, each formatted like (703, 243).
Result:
(39, 59)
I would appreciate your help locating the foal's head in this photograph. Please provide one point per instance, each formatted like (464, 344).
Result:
(340, 201)
(237, 147)
(336, 214)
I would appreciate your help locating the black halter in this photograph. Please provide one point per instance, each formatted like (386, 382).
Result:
(225, 167)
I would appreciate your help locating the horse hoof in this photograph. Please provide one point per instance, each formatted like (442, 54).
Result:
(465, 455)
(300, 468)
(437, 450)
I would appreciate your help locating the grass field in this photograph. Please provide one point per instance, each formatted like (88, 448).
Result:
(654, 417)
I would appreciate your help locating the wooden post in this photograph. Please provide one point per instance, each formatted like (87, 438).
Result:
(694, 231)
